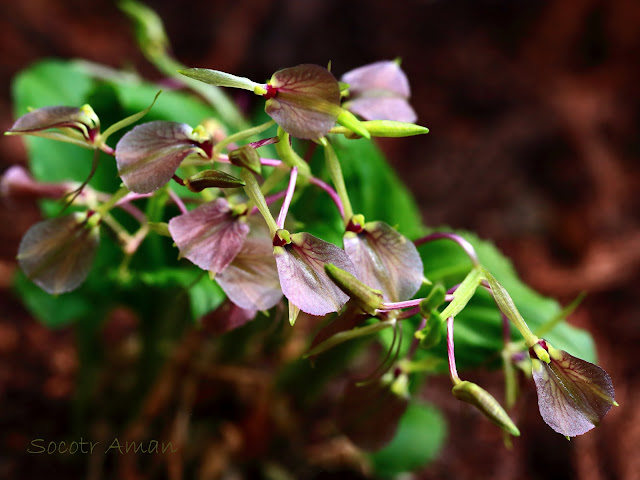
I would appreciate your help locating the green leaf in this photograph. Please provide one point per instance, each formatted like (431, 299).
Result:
(50, 82)
(204, 296)
(53, 311)
(421, 433)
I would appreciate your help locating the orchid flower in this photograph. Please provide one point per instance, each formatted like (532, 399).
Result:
(573, 394)
(149, 154)
(379, 91)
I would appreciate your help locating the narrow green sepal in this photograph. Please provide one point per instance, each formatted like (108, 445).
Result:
(293, 313)
(246, 157)
(508, 308)
(350, 121)
(221, 79)
(125, 122)
(481, 399)
(354, 333)
(368, 299)
(384, 128)
(160, 228)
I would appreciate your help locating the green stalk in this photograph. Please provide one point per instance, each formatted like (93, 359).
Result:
(252, 189)
(335, 172)
(288, 155)
(241, 135)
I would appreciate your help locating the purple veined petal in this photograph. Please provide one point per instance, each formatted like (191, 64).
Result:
(573, 394)
(302, 276)
(57, 254)
(149, 155)
(210, 235)
(385, 260)
(369, 414)
(382, 108)
(251, 279)
(305, 102)
(384, 76)
(54, 117)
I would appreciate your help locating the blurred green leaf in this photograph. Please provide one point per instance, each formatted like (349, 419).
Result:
(53, 311)
(421, 433)
(204, 296)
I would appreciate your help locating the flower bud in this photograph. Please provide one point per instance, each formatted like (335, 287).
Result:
(368, 299)
(212, 179)
(246, 157)
(481, 399)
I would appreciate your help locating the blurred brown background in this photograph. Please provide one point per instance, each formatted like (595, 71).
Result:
(534, 114)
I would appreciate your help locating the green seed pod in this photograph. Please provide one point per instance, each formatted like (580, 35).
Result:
(481, 399)
(368, 299)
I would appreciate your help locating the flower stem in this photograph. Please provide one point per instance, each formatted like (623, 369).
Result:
(466, 246)
(241, 135)
(335, 172)
(252, 189)
(287, 198)
(103, 209)
(288, 155)
(453, 372)
(332, 193)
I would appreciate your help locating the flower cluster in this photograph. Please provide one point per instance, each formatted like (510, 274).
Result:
(227, 228)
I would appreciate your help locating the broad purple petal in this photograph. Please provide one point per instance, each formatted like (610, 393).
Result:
(369, 414)
(385, 260)
(149, 155)
(210, 236)
(57, 254)
(307, 100)
(573, 395)
(383, 108)
(302, 276)
(384, 76)
(251, 279)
